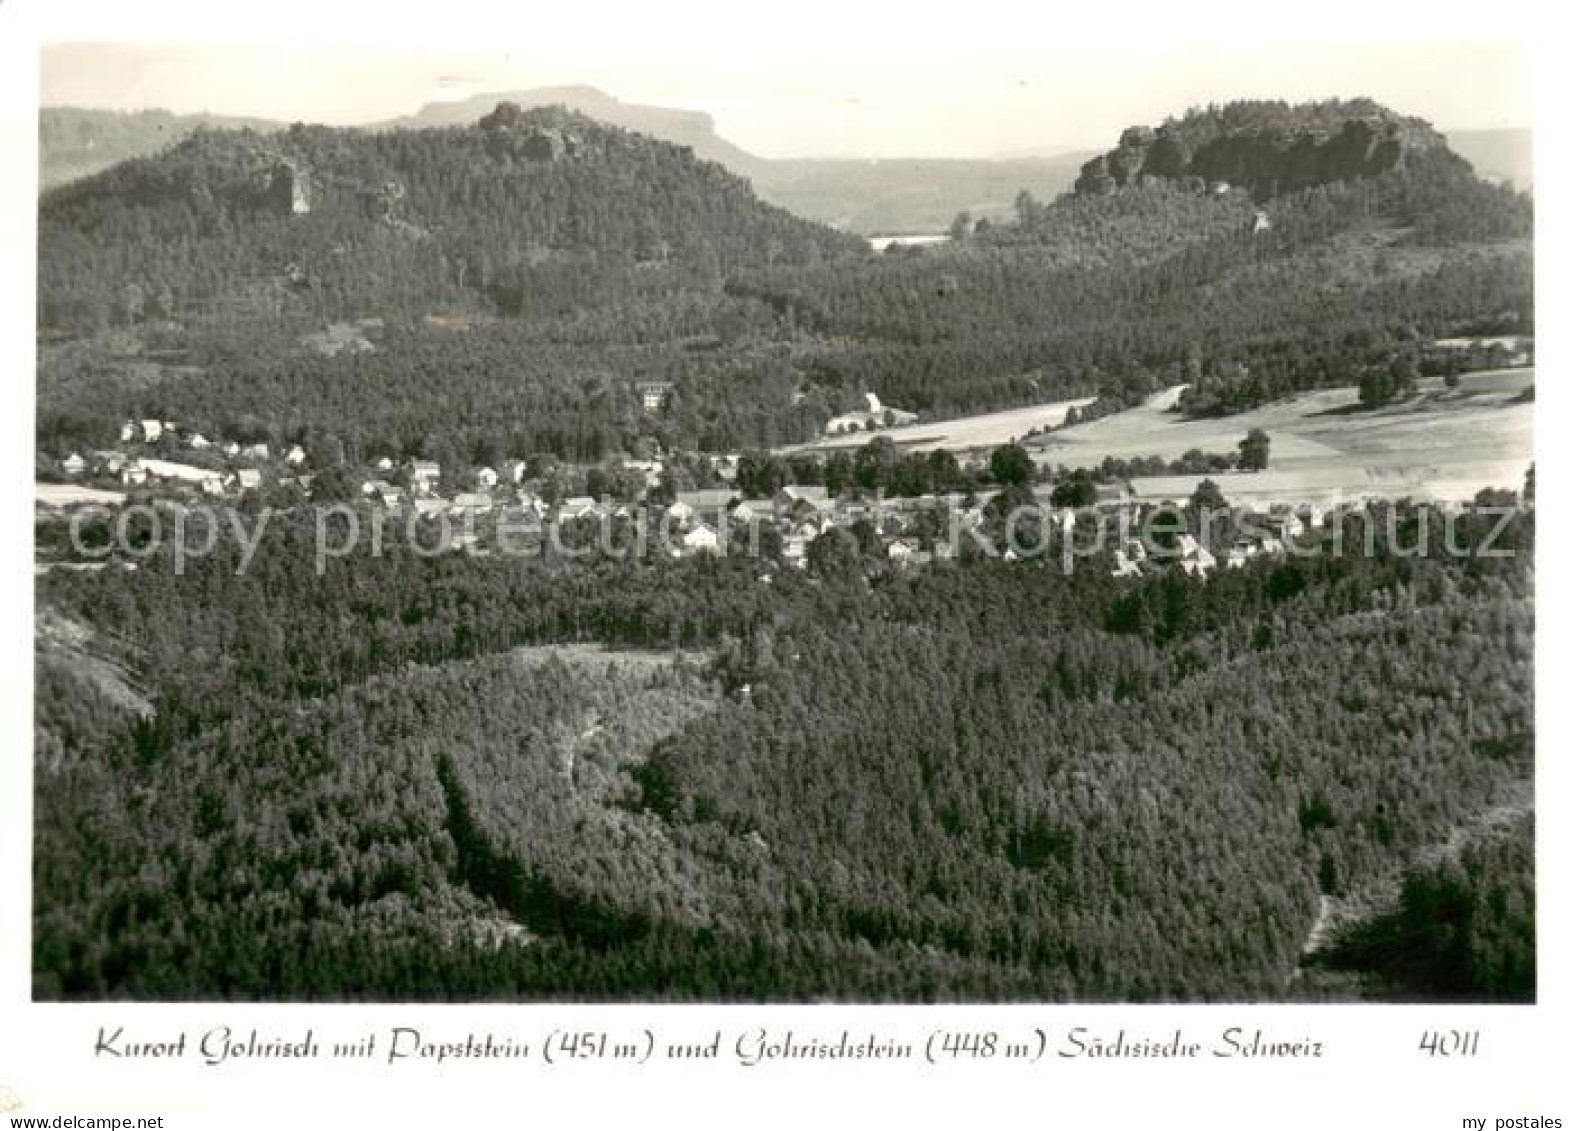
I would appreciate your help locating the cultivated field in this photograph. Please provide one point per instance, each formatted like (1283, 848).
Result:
(1442, 444)
(986, 431)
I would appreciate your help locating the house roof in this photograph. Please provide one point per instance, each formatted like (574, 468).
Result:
(168, 469)
(807, 494)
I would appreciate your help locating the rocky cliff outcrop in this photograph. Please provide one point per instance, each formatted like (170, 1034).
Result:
(1269, 148)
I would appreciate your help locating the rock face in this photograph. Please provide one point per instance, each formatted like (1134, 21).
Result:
(381, 203)
(288, 190)
(1268, 147)
(540, 135)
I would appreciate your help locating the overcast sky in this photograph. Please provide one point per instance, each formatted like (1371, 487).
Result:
(827, 83)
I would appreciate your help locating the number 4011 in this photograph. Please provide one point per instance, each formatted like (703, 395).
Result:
(1452, 1042)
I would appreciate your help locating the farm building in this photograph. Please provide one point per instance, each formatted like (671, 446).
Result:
(203, 477)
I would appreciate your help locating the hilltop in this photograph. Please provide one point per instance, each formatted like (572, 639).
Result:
(870, 197)
(863, 196)
(581, 259)
(691, 128)
(1320, 257)
(1270, 148)
(360, 223)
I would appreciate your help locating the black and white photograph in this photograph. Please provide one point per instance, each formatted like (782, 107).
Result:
(971, 518)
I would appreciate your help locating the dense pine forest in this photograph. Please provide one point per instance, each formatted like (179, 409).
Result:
(984, 780)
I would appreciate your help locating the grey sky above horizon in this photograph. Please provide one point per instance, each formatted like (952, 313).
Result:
(916, 97)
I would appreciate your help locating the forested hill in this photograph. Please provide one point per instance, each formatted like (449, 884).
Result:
(578, 259)
(1160, 275)
(1270, 148)
(385, 223)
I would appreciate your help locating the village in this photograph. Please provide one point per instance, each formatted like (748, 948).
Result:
(1131, 527)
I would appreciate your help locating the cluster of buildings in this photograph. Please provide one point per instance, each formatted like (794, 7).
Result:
(216, 467)
(1256, 536)
(692, 522)
(911, 532)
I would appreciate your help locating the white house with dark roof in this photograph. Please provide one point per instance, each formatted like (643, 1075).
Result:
(702, 537)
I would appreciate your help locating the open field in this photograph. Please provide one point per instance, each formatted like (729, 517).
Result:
(985, 431)
(1442, 444)
(598, 656)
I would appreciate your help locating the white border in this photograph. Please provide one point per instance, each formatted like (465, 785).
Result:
(1373, 1077)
